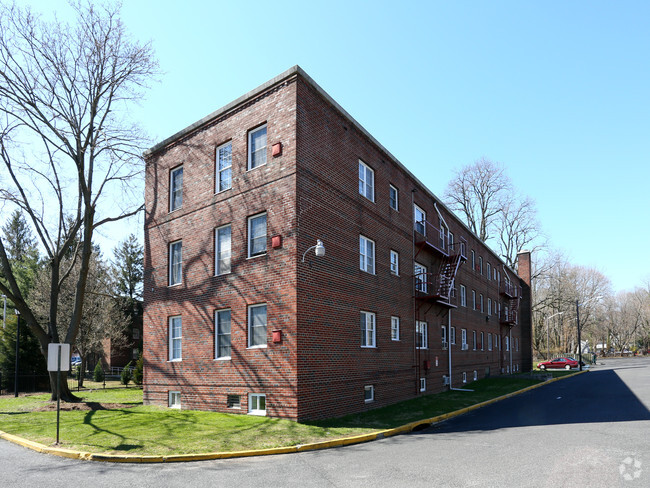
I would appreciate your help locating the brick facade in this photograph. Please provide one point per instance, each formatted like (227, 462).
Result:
(309, 190)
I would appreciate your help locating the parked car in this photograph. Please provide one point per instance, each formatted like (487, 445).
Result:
(75, 361)
(558, 363)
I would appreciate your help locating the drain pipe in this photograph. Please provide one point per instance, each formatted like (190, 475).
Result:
(451, 385)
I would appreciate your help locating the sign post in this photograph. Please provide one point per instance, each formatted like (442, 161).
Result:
(58, 357)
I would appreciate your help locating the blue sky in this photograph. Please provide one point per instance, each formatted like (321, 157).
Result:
(557, 91)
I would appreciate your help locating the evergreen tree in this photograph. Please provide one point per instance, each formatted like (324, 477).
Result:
(138, 372)
(128, 268)
(22, 251)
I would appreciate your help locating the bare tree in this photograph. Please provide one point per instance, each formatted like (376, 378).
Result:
(517, 228)
(68, 147)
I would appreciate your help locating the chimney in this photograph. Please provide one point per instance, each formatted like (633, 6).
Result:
(524, 266)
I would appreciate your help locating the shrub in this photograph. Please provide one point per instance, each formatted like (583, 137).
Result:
(138, 371)
(98, 374)
(126, 374)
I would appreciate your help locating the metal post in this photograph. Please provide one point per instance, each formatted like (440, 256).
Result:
(58, 395)
(579, 341)
(17, 354)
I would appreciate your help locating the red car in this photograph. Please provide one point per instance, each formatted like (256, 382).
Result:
(558, 363)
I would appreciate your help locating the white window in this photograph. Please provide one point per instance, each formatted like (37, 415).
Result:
(222, 326)
(394, 328)
(475, 375)
(423, 384)
(175, 263)
(507, 343)
(366, 255)
(494, 274)
(368, 393)
(463, 296)
(480, 264)
(463, 339)
(224, 167)
(176, 189)
(419, 219)
(223, 249)
(450, 241)
(473, 260)
(474, 340)
(257, 325)
(394, 262)
(482, 343)
(368, 329)
(175, 338)
(488, 271)
(452, 335)
(420, 272)
(464, 377)
(489, 342)
(473, 300)
(393, 197)
(489, 309)
(366, 181)
(443, 336)
(174, 399)
(480, 302)
(256, 404)
(257, 147)
(256, 235)
(421, 336)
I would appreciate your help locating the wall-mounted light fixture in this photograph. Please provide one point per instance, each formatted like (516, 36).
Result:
(319, 250)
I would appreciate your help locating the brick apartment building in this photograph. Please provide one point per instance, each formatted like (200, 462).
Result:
(235, 319)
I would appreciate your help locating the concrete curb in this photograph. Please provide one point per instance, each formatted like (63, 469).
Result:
(345, 441)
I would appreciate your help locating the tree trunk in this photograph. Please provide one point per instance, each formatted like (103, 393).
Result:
(66, 394)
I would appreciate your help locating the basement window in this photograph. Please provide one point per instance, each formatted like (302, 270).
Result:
(174, 399)
(369, 393)
(233, 401)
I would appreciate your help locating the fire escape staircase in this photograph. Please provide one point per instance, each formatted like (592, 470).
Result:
(509, 291)
(438, 287)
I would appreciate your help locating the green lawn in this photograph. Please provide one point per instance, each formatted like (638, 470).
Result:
(131, 428)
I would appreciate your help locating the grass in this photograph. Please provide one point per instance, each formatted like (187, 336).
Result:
(132, 428)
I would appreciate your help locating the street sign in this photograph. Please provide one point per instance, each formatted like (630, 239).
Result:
(53, 357)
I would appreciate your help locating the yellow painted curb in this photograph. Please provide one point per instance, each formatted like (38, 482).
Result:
(344, 441)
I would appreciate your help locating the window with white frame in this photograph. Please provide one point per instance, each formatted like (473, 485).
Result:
(135, 353)
(421, 336)
(223, 243)
(394, 328)
(257, 147)
(423, 384)
(480, 302)
(489, 308)
(175, 263)
(482, 343)
(175, 338)
(488, 270)
(489, 342)
(475, 375)
(368, 332)
(450, 241)
(174, 399)
(368, 393)
(474, 344)
(443, 336)
(366, 181)
(480, 264)
(256, 404)
(394, 262)
(224, 167)
(473, 260)
(452, 335)
(473, 300)
(366, 255)
(463, 339)
(257, 235)
(222, 326)
(463, 296)
(464, 377)
(420, 272)
(257, 325)
(175, 188)
(419, 219)
(393, 197)
(507, 343)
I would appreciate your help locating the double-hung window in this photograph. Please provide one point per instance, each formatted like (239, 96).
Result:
(482, 343)
(175, 338)
(480, 302)
(420, 272)
(421, 336)
(452, 335)
(257, 325)
(223, 249)
(368, 329)
(489, 271)
(394, 328)
(366, 255)
(176, 188)
(366, 181)
(443, 336)
(175, 263)
(463, 339)
(393, 197)
(394, 262)
(256, 404)
(489, 308)
(222, 326)
(419, 219)
(489, 341)
(257, 147)
(224, 167)
(256, 235)
(463, 296)
(474, 340)
(369, 393)
(473, 300)
(480, 264)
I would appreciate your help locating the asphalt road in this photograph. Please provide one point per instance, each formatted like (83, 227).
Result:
(591, 430)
